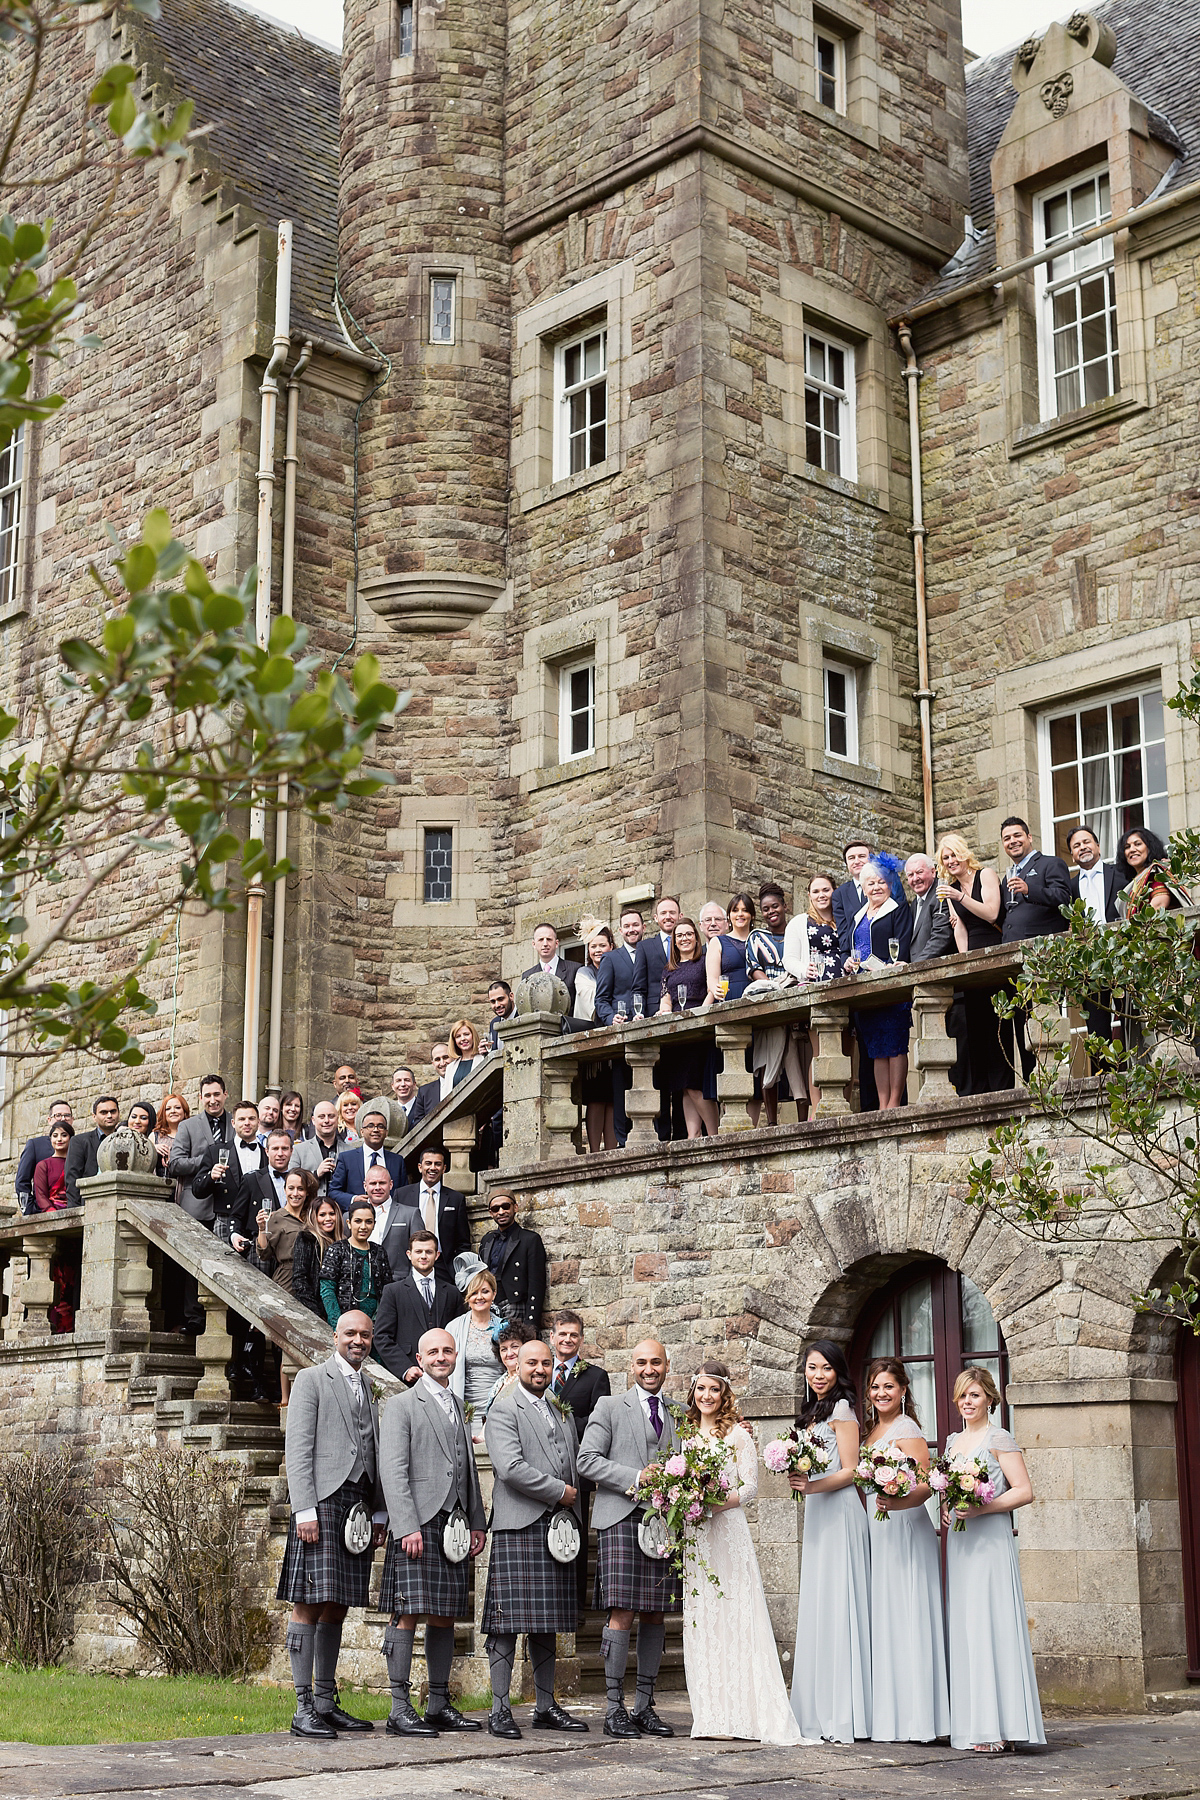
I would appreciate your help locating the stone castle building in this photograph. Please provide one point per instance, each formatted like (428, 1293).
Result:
(609, 320)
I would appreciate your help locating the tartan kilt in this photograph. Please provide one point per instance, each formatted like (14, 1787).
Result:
(629, 1580)
(426, 1585)
(526, 1589)
(325, 1573)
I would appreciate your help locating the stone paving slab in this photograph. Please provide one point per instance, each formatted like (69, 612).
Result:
(1136, 1758)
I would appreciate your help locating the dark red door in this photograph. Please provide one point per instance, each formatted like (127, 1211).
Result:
(1187, 1450)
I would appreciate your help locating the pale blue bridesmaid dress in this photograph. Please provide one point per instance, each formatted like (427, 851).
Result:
(993, 1688)
(831, 1682)
(910, 1701)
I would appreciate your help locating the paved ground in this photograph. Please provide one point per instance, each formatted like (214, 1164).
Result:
(1156, 1758)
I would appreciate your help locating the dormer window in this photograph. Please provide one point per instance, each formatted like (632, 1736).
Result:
(1077, 298)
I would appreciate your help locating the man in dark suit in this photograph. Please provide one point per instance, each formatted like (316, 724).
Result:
(266, 1187)
(517, 1258)
(429, 1096)
(621, 975)
(500, 999)
(81, 1151)
(655, 954)
(550, 962)
(1098, 885)
(352, 1165)
(440, 1209)
(848, 900)
(1034, 892)
(577, 1384)
(932, 926)
(36, 1150)
(418, 1301)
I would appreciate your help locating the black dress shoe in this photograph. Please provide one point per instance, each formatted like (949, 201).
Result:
(619, 1724)
(556, 1719)
(344, 1721)
(407, 1723)
(502, 1724)
(648, 1721)
(446, 1719)
(308, 1723)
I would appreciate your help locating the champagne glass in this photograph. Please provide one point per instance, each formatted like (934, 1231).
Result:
(621, 1013)
(681, 996)
(893, 949)
(639, 1007)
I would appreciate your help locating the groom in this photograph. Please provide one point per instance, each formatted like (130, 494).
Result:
(626, 1434)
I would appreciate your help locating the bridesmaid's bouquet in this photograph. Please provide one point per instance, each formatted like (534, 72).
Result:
(797, 1451)
(960, 1481)
(884, 1469)
(680, 1493)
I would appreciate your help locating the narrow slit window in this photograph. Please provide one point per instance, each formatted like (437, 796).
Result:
(1078, 355)
(576, 711)
(829, 405)
(582, 436)
(841, 711)
(443, 308)
(439, 866)
(12, 464)
(404, 28)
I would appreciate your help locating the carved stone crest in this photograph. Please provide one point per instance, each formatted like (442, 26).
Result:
(125, 1148)
(1078, 26)
(1056, 94)
(1028, 51)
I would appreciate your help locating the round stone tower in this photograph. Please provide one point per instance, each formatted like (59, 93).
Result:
(423, 268)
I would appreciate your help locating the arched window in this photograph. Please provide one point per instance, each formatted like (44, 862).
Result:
(938, 1323)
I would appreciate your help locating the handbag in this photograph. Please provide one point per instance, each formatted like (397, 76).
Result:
(654, 1540)
(358, 1531)
(563, 1539)
(456, 1537)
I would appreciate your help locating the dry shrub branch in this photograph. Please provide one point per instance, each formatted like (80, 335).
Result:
(46, 1536)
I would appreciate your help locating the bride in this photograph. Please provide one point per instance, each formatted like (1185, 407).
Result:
(734, 1681)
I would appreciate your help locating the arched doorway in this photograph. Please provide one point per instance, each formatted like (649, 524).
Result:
(1187, 1450)
(938, 1323)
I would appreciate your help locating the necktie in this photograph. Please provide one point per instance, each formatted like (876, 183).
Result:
(427, 1290)
(655, 1415)
(356, 1399)
(560, 1378)
(429, 1210)
(376, 1159)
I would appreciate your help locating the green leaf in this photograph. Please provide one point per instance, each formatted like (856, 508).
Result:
(307, 712)
(275, 676)
(83, 657)
(223, 612)
(364, 674)
(118, 634)
(156, 530)
(283, 634)
(122, 113)
(138, 568)
(28, 241)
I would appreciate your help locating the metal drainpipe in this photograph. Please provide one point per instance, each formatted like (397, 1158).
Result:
(269, 392)
(924, 694)
(291, 462)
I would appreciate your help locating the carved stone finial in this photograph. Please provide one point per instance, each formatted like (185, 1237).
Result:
(1056, 94)
(1078, 26)
(126, 1149)
(1028, 50)
(542, 993)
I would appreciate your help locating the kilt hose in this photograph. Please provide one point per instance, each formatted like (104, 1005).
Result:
(629, 1580)
(325, 1573)
(526, 1589)
(426, 1585)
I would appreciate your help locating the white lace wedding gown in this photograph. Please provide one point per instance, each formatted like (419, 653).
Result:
(734, 1681)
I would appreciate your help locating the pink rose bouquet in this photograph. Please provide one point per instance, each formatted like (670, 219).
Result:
(797, 1451)
(683, 1490)
(961, 1482)
(884, 1469)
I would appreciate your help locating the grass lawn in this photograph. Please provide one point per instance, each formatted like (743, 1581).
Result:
(58, 1706)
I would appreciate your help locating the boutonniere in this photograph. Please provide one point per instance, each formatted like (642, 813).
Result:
(468, 1407)
(376, 1392)
(580, 1365)
(560, 1406)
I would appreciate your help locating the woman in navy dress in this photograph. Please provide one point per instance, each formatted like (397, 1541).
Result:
(726, 954)
(884, 1031)
(685, 1069)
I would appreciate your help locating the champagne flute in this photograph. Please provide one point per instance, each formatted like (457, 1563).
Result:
(639, 1007)
(893, 949)
(681, 996)
(621, 1014)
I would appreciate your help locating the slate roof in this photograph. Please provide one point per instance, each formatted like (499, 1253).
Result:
(1158, 59)
(271, 96)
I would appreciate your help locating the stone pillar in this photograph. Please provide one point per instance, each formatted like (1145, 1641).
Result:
(214, 1347)
(934, 1050)
(525, 1128)
(116, 1273)
(643, 1099)
(563, 1117)
(459, 1135)
(37, 1291)
(831, 1067)
(735, 1083)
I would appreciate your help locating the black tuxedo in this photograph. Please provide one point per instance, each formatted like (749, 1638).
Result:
(403, 1318)
(1112, 891)
(520, 1272)
(566, 972)
(619, 977)
(36, 1150)
(260, 1191)
(233, 1199)
(1038, 913)
(932, 927)
(1099, 1016)
(81, 1161)
(453, 1229)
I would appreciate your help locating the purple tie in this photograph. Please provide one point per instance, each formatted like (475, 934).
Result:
(655, 1417)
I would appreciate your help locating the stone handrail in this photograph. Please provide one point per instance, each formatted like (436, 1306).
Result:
(452, 1123)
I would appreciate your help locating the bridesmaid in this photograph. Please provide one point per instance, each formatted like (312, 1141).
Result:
(909, 1698)
(993, 1689)
(831, 1687)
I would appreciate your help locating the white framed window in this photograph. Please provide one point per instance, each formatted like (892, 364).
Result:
(841, 710)
(404, 28)
(1104, 765)
(443, 308)
(439, 866)
(829, 405)
(577, 710)
(1078, 360)
(12, 467)
(581, 403)
(829, 68)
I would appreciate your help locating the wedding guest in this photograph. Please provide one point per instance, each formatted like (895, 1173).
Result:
(725, 954)
(292, 1115)
(1035, 892)
(326, 1227)
(655, 953)
(268, 1115)
(883, 1031)
(686, 1069)
(713, 920)
(50, 1174)
(345, 1080)
(516, 1255)
(973, 896)
(508, 1348)
(993, 1687)
(810, 953)
(36, 1149)
(932, 926)
(578, 1384)
(418, 1301)
(355, 1271)
(504, 1007)
(910, 1702)
(172, 1111)
(280, 1231)
(847, 900)
(474, 1332)
(348, 1103)
(1098, 884)
(141, 1118)
(734, 1683)
(774, 1053)
(1145, 874)
(467, 1057)
(81, 1152)
(429, 1094)
(404, 1082)
(831, 1685)
(319, 1152)
(596, 1076)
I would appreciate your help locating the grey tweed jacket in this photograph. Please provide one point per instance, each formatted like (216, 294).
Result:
(533, 1457)
(617, 1445)
(426, 1463)
(321, 1442)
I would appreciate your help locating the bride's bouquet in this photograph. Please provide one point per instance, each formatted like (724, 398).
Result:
(797, 1451)
(680, 1494)
(961, 1481)
(884, 1469)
